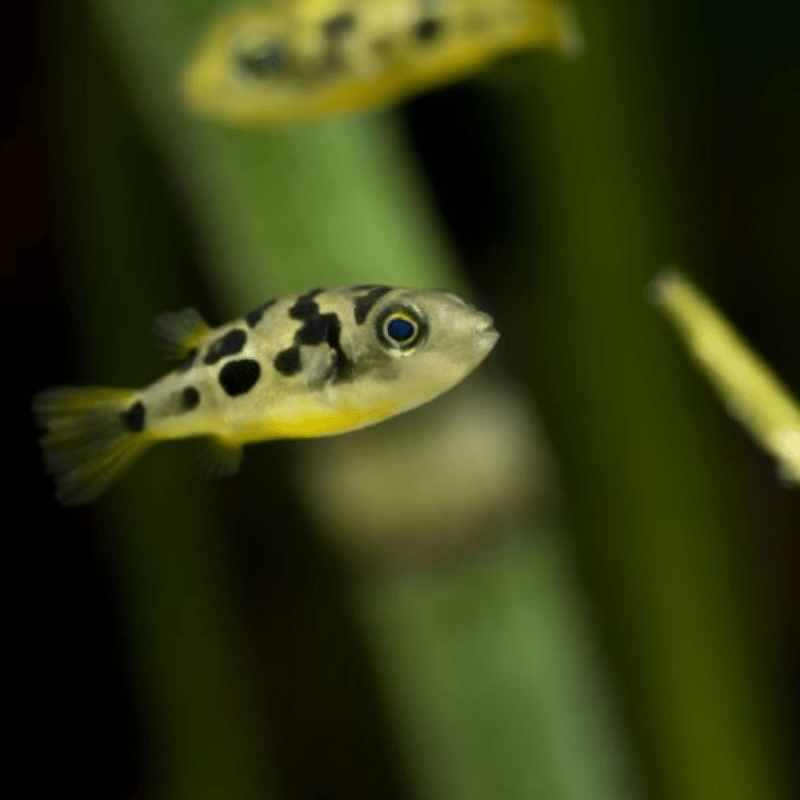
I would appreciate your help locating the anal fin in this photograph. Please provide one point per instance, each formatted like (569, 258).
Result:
(178, 332)
(217, 458)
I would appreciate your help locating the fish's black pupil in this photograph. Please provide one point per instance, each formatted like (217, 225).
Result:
(400, 330)
(265, 61)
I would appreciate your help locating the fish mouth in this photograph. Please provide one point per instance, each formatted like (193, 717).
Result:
(485, 325)
(486, 330)
(490, 336)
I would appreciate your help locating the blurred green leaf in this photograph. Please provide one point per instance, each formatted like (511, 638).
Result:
(495, 680)
(649, 490)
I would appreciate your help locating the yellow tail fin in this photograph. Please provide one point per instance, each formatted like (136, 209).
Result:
(92, 435)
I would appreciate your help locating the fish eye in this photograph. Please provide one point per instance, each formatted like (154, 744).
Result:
(400, 328)
(263, 60)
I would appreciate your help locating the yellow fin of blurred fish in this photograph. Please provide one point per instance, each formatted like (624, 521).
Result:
(301, 60)
(750, 390)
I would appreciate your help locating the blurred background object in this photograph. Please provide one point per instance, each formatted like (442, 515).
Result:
(751, 393)
(467, 468)
(627, 628)
(287, 61)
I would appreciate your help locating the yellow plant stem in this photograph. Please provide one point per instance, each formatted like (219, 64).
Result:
(751, 391)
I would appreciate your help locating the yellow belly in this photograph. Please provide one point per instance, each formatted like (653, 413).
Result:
(310, 423)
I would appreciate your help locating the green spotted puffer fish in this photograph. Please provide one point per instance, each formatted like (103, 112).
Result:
(300, 60)
(313, 364)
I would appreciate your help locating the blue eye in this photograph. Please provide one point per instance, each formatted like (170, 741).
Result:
(399, 329)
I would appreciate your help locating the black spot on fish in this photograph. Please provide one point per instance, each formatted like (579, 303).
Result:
(287, 362)
(339, 24)
(428, 30)
(363, 304)
(190, 398)
(228, 345)
(315, 329)
(134, 417)
(187, 362)
(252, 318)
(270, 59)
(305, 306)
(342, 367)
(240, 376)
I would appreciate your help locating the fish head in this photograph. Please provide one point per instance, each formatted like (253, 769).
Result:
(414, 345)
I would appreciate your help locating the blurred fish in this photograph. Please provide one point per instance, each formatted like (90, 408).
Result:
(307, 365)
(299, 60)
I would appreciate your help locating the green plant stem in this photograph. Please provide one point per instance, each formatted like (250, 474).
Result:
(649, 488)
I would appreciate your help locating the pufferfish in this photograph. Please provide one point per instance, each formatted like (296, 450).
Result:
(314, 364)
(298, 60)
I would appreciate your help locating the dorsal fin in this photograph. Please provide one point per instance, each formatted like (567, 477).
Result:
(178, 332)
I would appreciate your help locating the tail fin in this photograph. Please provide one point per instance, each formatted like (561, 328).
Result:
(92, 435)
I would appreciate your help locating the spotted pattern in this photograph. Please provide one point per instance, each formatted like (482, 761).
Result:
(228, 345)
(315, 329)
(287, 362)
(134, 417)
(252, 318)
(239, 376)
(305, 306)
(364, 304)
(190, 398)
(343, 366)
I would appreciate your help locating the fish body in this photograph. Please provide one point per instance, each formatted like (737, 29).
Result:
(300, 60)
(313, 364)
